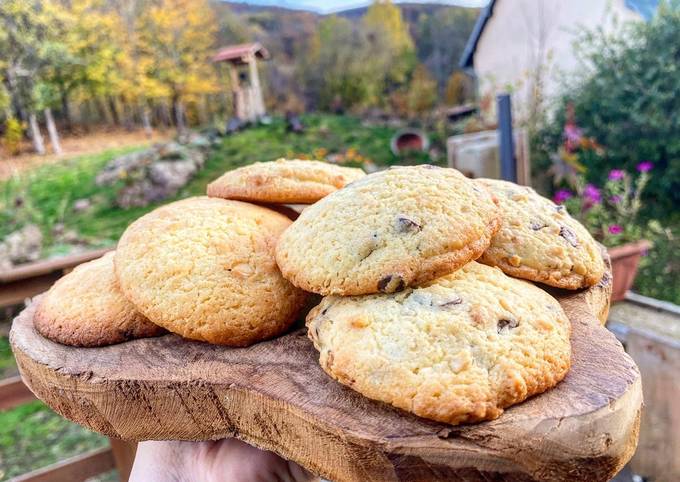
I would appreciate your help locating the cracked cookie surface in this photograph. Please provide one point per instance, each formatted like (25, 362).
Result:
(204, 268)
(283, 181)
(539, 241)
(389, 230)
(86, 308)
(459, 349)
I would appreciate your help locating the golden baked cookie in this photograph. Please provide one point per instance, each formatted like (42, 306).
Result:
(389, 230)
(283, 181)
(204, 268)
(539, 241)
(87, 308)
(460, 349)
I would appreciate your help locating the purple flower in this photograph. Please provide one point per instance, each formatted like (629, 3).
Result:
(615, 199)
(592, 194)
(615, 229)
(616, 174)
(645, 166)
(561, 196)
(572, 133)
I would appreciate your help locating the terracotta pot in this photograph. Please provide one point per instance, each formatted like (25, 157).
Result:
(625, 261)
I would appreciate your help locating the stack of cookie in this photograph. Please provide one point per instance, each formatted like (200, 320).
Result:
(418, 309)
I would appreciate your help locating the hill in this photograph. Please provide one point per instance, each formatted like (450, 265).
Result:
(439, 31)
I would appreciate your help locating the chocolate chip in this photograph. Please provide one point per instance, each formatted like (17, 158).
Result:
(407, 225)
(455, 301)
(569, 235)
(324, 311)
(559, 208)
(391, 283)
(509, 324)
(537, 225)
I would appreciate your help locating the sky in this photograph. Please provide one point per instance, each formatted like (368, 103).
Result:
(327, 6)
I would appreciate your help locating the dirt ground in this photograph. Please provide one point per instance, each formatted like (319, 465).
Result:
(76, 145)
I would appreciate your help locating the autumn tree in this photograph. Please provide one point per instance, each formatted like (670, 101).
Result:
(339, 75)
(23, 27)
(442, 36)
(422, 92)
(389, 44)
(458, 89)
(177, 36)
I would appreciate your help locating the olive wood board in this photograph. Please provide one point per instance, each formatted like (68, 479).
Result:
(275, 396)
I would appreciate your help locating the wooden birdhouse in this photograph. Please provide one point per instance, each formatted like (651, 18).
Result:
(248, 102)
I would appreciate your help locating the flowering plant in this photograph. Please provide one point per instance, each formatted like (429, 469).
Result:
(609, 212)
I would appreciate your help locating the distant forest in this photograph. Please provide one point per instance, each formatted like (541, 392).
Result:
(73, 64)
(438, 34)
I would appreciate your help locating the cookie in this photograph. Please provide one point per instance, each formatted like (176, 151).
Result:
(460, 349)
(283, 181)
(204, 268)
(87, 308)
(539, 241)
(389, 230)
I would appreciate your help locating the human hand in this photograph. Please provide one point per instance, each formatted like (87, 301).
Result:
(219, 461)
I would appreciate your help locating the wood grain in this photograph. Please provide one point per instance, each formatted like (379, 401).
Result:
(275, 396)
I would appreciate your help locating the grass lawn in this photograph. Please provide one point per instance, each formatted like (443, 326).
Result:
(33, 436)
(48, 192)
(8, 366)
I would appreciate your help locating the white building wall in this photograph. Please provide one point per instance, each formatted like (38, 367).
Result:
(523, 36)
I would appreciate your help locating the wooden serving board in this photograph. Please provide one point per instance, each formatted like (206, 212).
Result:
(274, 395)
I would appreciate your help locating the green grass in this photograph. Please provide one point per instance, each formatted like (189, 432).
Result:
(7, 364)
(33, 436)
(48, 193)
(45, 195)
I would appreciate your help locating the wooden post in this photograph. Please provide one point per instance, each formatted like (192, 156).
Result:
(258, 102)
(238, 103)
(124, 456)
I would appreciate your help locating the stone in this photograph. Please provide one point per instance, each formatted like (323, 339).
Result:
(21, 246)
(80, 205)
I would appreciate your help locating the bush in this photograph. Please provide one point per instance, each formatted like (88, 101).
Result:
(11, 139)
(628, 103)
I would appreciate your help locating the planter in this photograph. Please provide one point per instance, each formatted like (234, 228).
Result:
(625, 261)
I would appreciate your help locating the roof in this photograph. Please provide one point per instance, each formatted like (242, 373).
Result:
(471, 45)
(644, 8)
(240, 53)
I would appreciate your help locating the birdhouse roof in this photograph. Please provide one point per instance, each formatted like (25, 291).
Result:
(241, 53)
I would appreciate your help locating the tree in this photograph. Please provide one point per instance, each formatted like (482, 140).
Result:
(389, 44)
(422, 92)
(458, 89)
(176, 37)
(23, 28)
(338, 72)
(441, 39)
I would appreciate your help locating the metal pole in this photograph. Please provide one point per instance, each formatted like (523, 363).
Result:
(507, 147)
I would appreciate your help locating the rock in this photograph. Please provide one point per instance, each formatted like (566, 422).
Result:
(156, 173)
(5, 263)
(81, 205)
(172, 175)
(127, 166)
(22, 246)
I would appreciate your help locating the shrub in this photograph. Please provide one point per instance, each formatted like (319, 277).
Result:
(628, 102)
(11, 140)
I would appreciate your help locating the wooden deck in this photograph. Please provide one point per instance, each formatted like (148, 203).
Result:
(650, 331)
